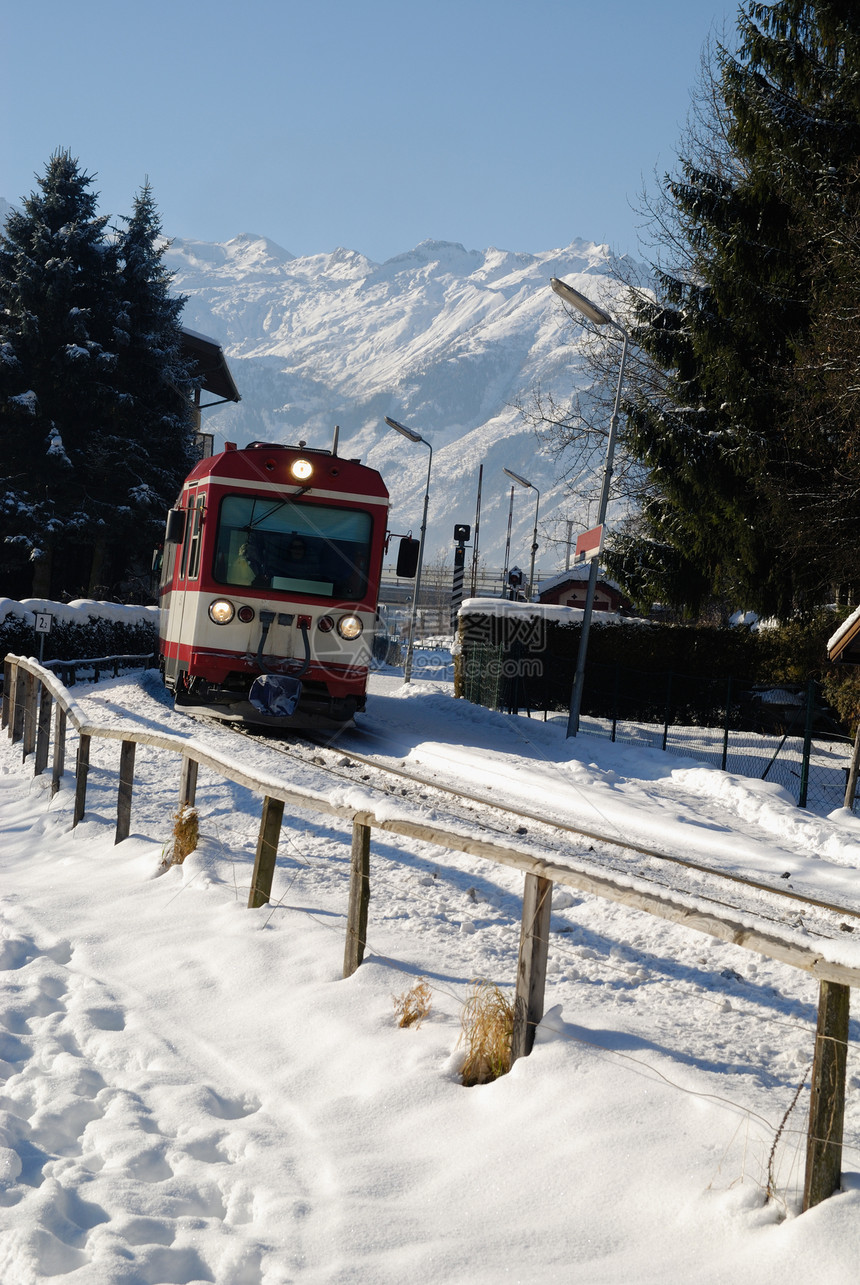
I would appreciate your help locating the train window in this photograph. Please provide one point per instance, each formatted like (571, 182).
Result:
(292, 547)
(194, 542)
(192, 497)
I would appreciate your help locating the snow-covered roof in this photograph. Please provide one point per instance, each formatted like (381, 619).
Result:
(210, 364)
(540, 611)
(844, 635)
(577, 573)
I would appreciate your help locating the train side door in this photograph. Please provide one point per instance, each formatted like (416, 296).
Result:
(183, 612)
(174, 536)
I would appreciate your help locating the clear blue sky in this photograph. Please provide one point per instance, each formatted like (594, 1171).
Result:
(371, 124)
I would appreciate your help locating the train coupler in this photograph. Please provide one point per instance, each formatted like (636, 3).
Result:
(275, 694)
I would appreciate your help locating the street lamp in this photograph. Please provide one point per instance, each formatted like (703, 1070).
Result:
(508, 546)
(599, 318)
(531, 486)
(412, 436)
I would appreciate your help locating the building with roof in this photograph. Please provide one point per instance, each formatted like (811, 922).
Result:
(568, 589)
(211, 374)
(845, 643)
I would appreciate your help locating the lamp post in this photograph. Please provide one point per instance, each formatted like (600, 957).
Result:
(600, 318)
(412, 436)
(508, 546)
(531, 486)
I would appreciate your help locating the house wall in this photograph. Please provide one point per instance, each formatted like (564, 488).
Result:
(573, 595)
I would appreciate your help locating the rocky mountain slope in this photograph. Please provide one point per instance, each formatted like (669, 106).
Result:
(444, 339)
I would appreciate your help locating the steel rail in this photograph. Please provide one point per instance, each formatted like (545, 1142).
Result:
(596, 836)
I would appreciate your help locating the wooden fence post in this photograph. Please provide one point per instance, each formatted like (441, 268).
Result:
(359, 899)
(16, 725)
(43, 734)
(531, 967)
(827, 1101)
(188, 782)
(81, 773)
(124, 793)
(853, 772)
(8, 692)
(267, 851)
(59, 763)
(31, 693)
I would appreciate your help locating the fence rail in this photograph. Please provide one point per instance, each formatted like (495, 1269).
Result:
(31, 690)
(93, 668)
(73, 668)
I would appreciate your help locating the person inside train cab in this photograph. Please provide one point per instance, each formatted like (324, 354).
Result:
(302, 561)
(297, 552)
(248, 566)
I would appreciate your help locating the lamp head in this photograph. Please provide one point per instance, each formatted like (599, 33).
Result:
(403, 430)
(516, 477)
(579, 301)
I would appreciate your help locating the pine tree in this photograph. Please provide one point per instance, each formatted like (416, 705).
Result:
(57, 273)
(21, 514)
(740, 441)
(138, 457)
(94, 393)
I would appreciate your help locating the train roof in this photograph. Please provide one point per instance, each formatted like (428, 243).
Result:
(269, 462)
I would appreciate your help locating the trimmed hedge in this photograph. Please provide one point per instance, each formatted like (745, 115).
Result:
(629, 663)
(78, 632)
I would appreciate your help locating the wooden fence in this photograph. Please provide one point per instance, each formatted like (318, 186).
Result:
(31, 694)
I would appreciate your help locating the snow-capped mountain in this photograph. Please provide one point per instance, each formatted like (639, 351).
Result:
(443, 339)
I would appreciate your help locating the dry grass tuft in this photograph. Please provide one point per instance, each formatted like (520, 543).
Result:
(771, 1192)
(488, 1023)
(413, 1005)
(186, 832)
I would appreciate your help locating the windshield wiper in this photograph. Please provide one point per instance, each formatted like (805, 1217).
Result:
(281, 504)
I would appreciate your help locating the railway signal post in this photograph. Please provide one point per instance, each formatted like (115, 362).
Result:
(461, 537)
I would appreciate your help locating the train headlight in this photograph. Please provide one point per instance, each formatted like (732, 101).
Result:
(325, 624)
(301, 470)
(246, 615)
(349, 627)
(221, 611)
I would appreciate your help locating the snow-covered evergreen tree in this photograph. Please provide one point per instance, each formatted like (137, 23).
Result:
(138, 456)
(94, 414)
(57, 275)
(739, 437)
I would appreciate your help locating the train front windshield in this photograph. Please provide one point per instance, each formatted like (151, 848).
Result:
(294, 548)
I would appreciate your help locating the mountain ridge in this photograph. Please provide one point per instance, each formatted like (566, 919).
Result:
(440, 337)
(446, 339)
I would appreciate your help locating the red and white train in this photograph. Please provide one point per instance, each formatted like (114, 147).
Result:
(270, 579)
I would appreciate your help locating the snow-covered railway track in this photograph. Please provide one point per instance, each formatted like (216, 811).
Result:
(792, 925)
(558, 841)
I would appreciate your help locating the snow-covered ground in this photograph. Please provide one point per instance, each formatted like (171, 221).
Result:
(194, 1093)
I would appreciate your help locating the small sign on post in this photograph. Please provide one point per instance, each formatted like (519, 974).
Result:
(589, 544)
(44, 621)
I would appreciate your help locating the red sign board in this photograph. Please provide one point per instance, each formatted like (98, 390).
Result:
(589, 544)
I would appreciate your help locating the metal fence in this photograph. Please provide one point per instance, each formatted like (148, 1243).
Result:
(775, 732)
(814, 771)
